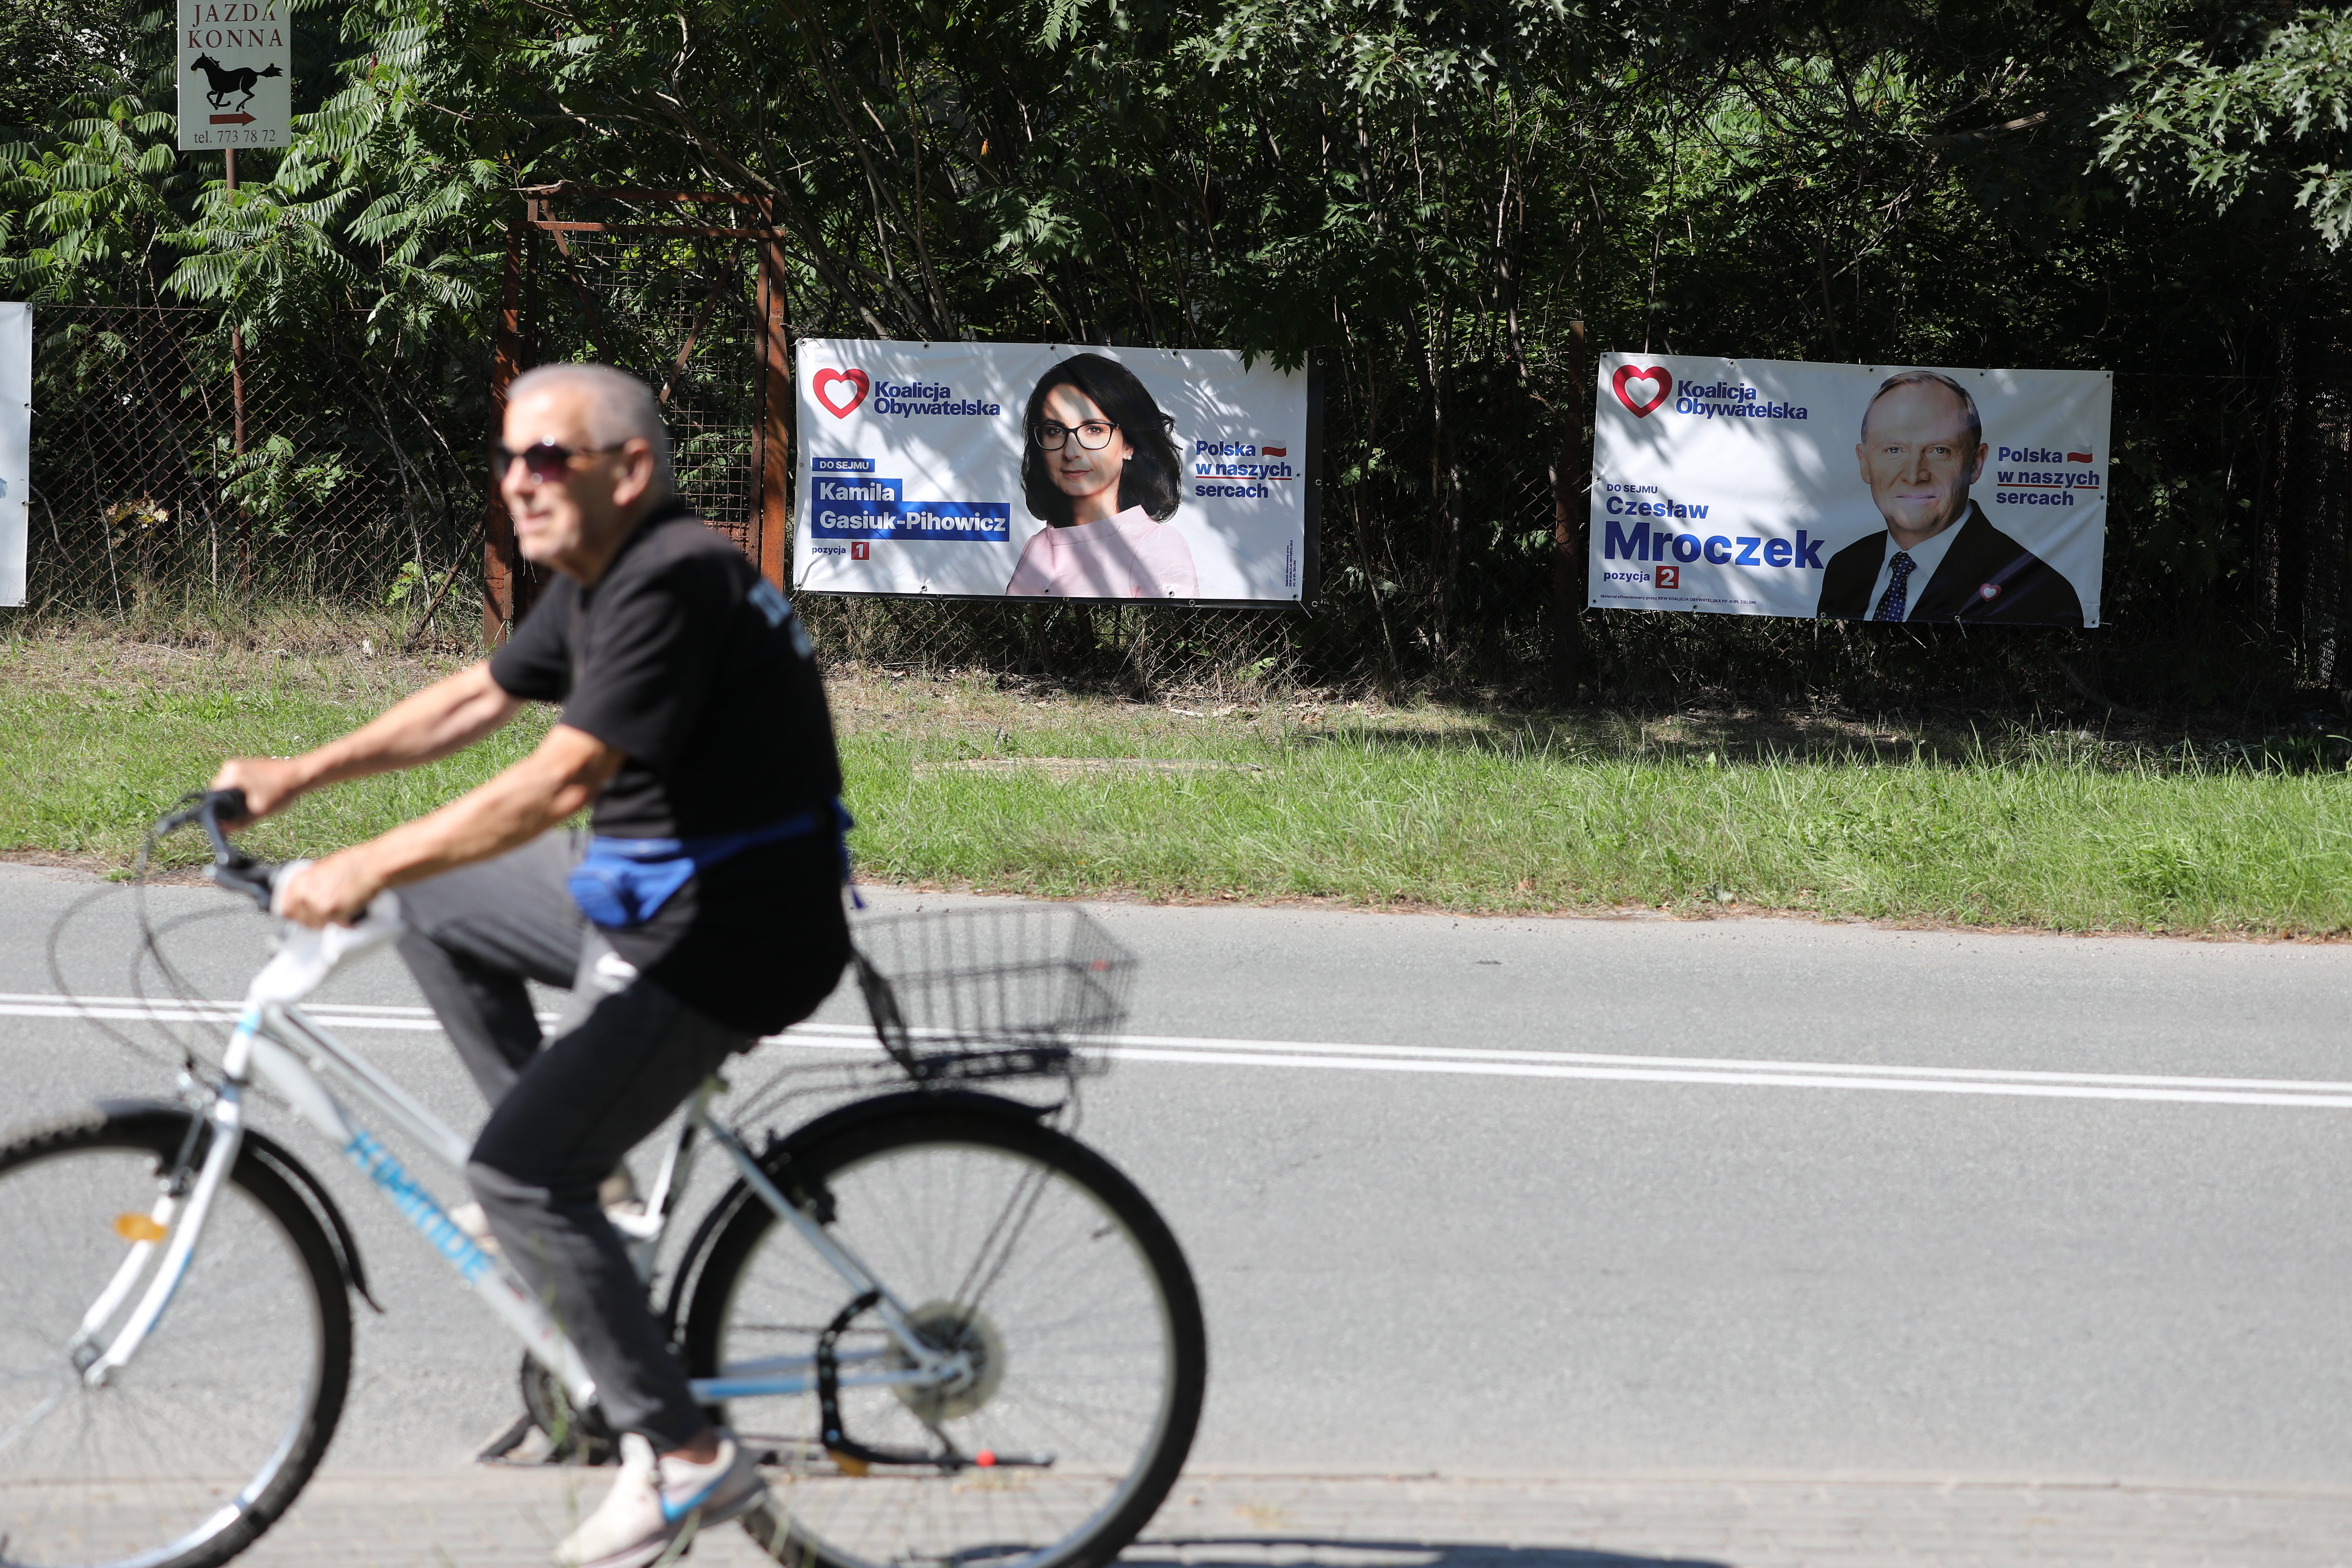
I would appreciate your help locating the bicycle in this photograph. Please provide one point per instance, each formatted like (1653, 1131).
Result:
(953, 1333)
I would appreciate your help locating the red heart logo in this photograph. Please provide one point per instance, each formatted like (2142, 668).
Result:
(858, 387)
(1655, 376)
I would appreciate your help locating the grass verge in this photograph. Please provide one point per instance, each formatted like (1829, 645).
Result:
(958, 782)
(97, 738)
(2056, 829)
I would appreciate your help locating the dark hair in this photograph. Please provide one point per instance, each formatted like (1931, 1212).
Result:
(1915, 378)
(1153, 477)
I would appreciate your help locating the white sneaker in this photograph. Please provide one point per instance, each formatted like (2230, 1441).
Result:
(469, 1218)
(656, 1500)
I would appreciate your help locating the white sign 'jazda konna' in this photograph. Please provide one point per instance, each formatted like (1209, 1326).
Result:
(236, 74)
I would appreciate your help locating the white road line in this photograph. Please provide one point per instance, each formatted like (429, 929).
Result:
(130, 1009)
(1317, 1055)
(1733, 1071)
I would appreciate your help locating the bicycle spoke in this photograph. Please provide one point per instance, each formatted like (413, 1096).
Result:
(173, 1449)
(1005, 1256)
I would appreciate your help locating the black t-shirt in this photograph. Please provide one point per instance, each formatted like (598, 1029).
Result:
(683, 658)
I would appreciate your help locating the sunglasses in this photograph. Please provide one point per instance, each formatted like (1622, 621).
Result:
(544, 461)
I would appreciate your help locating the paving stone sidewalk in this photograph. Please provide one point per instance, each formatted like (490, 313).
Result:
(493, 1518)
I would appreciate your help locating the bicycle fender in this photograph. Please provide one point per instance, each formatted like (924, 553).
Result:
(884, 1106)
(280, 1162)
(779, 1152)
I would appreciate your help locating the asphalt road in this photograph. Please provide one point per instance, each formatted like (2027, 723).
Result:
(1618, 1198)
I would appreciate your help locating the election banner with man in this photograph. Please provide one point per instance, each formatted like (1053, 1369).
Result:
(986, 470)
(1850, 492)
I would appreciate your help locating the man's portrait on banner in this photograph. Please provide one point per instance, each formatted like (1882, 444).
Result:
(1938, 557)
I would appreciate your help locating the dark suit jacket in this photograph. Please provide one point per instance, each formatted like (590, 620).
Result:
(1986, 575)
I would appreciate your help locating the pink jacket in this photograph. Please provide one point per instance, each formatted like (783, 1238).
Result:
(1127, 557)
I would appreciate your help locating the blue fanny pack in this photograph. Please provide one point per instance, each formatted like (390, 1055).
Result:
(624, 881)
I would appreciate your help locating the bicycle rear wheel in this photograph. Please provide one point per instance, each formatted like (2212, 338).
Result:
(189, 1452)
(1007, 1240)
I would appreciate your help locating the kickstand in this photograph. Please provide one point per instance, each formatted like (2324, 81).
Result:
(496, 1450)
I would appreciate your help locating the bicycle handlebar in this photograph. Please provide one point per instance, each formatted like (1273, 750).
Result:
(232, 867)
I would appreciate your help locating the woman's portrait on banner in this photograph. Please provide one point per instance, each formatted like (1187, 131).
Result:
(976, 470)
(1099, 469)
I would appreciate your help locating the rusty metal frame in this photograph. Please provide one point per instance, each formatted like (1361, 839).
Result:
(508, 582)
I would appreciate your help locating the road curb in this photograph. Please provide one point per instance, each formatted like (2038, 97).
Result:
(496, 1516)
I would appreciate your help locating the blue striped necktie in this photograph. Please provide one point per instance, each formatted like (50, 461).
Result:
(1897, 598)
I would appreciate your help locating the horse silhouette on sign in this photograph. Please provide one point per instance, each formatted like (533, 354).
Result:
(225, 80)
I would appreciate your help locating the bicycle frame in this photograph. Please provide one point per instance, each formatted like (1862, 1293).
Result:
(276, 1044)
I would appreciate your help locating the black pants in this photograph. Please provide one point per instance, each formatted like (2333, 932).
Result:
(565, 1109)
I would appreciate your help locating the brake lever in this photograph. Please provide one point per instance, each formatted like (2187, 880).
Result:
(171, 821)
(232, 867)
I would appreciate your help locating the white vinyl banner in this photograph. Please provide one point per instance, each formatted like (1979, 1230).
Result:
(16, 446)
(236, 73)
(1027, 469)
(1857, 492)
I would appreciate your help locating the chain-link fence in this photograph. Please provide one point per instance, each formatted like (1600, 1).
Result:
(680, 314)
(347, 508)
(334, 502)
(351, 512)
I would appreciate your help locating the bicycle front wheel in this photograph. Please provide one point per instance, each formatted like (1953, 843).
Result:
(1002, 1239)
(189, 1452)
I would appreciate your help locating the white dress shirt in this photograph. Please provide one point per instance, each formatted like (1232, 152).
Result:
(1926, 556)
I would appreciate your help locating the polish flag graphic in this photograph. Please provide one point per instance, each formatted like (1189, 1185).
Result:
(1275, 451)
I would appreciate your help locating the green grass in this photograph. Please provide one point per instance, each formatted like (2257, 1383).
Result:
(2060, 830)
(98, 739)
(1351, 804)
(1362, 819)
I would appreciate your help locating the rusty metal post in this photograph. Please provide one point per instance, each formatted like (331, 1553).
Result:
(1572, 481)
(773, 450)
(235, 338)
(236, 412)
(501, 565)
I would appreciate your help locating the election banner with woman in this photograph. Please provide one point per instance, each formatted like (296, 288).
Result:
(987, 470)
(1849, 492)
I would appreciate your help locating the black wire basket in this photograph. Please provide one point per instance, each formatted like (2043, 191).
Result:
(1009, 990)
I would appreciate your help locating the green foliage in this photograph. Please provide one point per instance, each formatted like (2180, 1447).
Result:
(2263, 108)
(53, 52)
(268, 482)
(89, 204)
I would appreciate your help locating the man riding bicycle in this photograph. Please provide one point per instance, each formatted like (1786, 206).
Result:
(705, 912)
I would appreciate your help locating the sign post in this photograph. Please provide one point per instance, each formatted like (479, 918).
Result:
(236, 74)
(237, 89)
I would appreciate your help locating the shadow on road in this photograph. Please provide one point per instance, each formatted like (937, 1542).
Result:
(1304, 1552)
